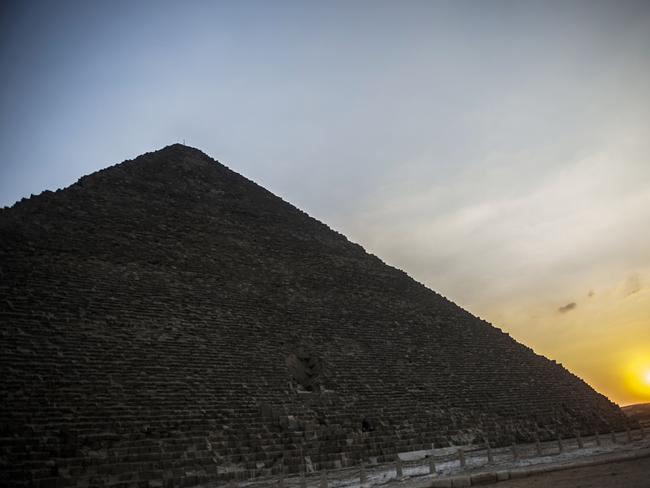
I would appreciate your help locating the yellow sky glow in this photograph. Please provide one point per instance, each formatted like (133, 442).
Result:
(605, 339)
(563, 267)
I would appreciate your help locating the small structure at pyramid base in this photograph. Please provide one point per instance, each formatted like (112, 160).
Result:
(168, 322)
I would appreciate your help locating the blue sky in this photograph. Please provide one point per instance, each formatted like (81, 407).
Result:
(497, 151)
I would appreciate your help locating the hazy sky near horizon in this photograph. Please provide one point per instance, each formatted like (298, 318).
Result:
(497, 151)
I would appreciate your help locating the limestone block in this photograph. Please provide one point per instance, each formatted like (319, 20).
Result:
(503, 475)
(484, 478)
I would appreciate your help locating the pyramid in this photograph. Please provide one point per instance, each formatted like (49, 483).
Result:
(167, 322)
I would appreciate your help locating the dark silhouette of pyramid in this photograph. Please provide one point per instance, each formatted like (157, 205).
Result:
(167, 321)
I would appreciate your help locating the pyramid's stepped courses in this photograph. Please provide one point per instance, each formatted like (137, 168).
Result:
(166, 322)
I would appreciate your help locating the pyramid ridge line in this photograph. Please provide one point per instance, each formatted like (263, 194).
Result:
(126, 164)
(86, 182)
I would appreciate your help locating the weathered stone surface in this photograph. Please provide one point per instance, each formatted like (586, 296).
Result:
(460, 481)
(442, 483)
(168, 321)
(483, 478)
(503, 475)
(519, 473)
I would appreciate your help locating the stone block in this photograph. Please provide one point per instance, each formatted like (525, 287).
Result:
(519, 473)
(484, 478)
(461, 482)
(441, 483)
(503, 475)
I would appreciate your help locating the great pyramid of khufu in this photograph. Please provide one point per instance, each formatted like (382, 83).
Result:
(167, 322)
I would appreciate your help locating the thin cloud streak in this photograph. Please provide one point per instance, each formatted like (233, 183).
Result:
(567, 308)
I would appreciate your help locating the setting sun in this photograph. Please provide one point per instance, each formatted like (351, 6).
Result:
(635, 376)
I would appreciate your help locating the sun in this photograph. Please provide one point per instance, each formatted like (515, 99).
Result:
(635, 376)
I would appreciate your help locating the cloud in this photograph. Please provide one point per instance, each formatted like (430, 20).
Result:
(567, 308)
(632, 285)
(492, 237)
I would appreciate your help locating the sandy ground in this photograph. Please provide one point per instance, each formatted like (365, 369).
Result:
(626, 474)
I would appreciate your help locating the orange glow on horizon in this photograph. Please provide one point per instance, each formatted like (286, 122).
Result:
(637, 375)
(604, 339)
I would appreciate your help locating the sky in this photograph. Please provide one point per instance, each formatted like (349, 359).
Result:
(498, 152)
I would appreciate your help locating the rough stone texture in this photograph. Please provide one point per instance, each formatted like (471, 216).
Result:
(460, 482)
(166, 322)
(503, 475)
(483, 478)
(444, 483)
